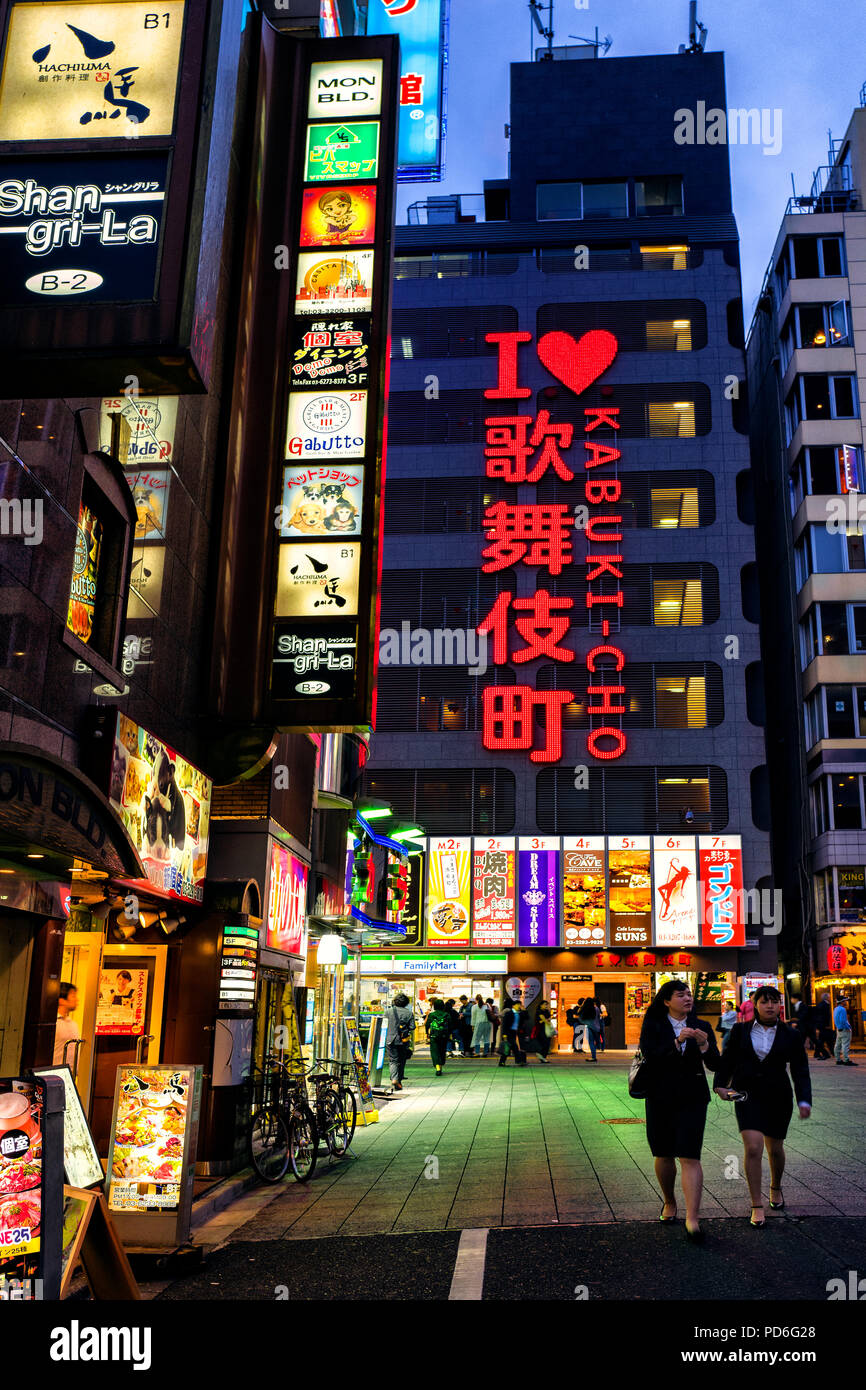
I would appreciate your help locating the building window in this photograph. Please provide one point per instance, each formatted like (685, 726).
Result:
(671, 420)
(641, 799)
(851, 884)
(576, 201)
(659, 196)
(814, 397)
(669, 335)
(664, 257)
(824, 898)
(639, 325)
(819, 806)
(809, 258)
(827, 472)
(447, 800)
(677, 603)
(674, 508)
(455, 332)
(659, 695)
(846, 802)
(681, 703)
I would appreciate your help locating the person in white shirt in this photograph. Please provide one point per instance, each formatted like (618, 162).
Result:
(754, 1065)
(66, 1030)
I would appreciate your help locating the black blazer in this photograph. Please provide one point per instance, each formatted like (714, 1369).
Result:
(742, 1068)
(677, 1077)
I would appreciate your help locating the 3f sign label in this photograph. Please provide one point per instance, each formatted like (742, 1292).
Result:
(350, 88)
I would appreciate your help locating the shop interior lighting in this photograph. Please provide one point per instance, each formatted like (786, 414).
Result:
(330, 950)
(376, 812)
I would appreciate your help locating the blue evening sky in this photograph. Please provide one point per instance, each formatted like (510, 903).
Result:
(807, 59)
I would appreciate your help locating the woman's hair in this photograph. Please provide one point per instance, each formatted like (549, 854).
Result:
(489, 1001)
(479, 998)
(400, 1001)
(339, 195)
(123, 975)
(448, 1003)
(657, 1008)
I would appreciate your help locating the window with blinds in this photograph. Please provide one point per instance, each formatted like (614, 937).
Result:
(438, 506)
(453, 332)
(666, 500)
(639, 325)
(647, 410)
(459, 801)
(440, 598)
(461, 265)
(432, 700)
(658, 695)
(558, 260)
(650, 800)
(655, 595)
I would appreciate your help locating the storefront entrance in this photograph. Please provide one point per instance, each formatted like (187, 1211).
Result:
(612, 995)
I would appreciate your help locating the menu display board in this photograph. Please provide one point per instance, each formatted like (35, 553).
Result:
(676, 891)
(239, 956)
(723, 921)
(449, 891)
(331, 352)
(494, 902)
(164, 802)
(286, 928)
(369, 1113)
(538, 889)
(90, 70)
(21, 1179)
(584, 891)
(630, 892)
(81, 1163)
(150, 1157)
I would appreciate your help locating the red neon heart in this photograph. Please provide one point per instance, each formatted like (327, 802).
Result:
(577, 363)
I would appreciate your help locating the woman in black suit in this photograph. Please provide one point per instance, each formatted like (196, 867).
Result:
(677, 1046)
(755, 1064)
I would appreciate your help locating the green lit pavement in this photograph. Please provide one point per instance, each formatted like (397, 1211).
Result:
(484, 1146)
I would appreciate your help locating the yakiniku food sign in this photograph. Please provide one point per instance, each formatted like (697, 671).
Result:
(521, 449)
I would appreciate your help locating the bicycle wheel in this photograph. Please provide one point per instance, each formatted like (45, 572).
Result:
(303, 1142)
(335, 1123)
(350, 1110)
(269, 1144)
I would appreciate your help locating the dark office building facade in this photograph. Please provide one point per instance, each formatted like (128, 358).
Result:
(590, 320)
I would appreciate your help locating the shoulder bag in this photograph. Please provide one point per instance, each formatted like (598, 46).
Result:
(639, 1077)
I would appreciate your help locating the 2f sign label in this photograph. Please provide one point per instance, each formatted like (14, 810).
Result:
(351, 88)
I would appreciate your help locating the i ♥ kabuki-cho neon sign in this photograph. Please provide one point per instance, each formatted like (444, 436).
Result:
(520, 450)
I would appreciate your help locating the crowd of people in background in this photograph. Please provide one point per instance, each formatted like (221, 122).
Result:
(828, 1030)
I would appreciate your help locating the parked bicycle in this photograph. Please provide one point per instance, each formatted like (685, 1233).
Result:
(336, 1107)
(283, 1130)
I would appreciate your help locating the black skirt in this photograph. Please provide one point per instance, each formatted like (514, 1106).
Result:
(675, 1131)
(768, 1113)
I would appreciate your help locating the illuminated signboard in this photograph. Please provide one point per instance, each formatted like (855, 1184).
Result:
(723, 919)
(413, 915)
(327, 514)
(345, 88)
(81, 229)
(239, 954)
(81, 609)
(340, 283)
(151, 1159)
(521, 450)
(339, 216)
(287, 902)
(631, 903)
(122, 1002)
(584, 891)
(331, 353)
(321, 501)
(22, 1176)
(93, 71)
(145, 581)
(343, 151)
(164, 802)
(675, 875)
(493, 892)
(150, 489)
(152, 422)
(538, 890)
(420, 27)
(449, 891)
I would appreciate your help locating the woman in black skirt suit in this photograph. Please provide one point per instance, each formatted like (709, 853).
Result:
(677, 1046)
(755, 1064)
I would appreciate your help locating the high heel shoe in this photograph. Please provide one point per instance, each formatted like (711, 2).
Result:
(696, 1237)
(758, 1225)
(777, 1206)
(668, 1220)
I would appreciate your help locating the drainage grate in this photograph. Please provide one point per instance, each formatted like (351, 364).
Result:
(630, 1120)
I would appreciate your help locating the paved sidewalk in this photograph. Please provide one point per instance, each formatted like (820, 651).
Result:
(489, 1146)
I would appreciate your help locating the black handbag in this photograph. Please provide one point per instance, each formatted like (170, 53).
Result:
(639, 1077)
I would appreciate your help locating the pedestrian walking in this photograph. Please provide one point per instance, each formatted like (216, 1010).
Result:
(493, 1015)
(603, 1020)
(454, 1018)
(573, 1019)
(726, 1022)
(544, 1031)
(754, 1074)
(589, 1019)
(677, 1046)
(400, 1038)
(438, 1025)
(481, 1028)
(843, 1034)
(808, 1030)
(466, 1025)
(746, 1010)
(823, 1028)
(512, 1025)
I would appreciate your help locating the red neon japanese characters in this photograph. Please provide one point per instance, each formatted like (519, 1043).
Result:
(521, 450)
